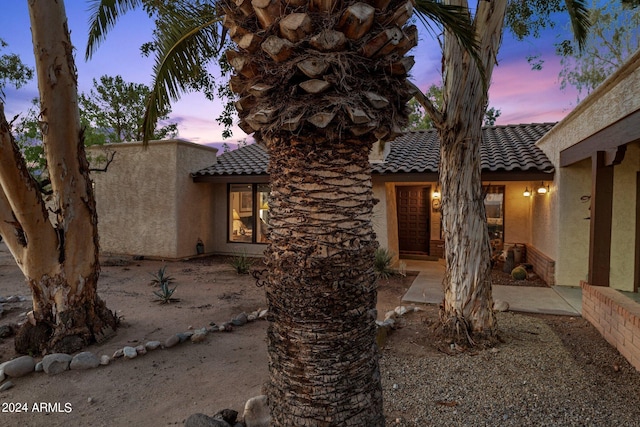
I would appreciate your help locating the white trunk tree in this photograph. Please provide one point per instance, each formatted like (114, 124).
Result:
(57, 251)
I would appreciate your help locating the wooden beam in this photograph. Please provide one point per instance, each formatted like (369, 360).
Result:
(601, 217)
(622, 132)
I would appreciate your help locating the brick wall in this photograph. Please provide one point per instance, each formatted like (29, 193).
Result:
(544, 266)
(436, 248)
(616, 317)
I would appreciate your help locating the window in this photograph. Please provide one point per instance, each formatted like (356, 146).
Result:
(248, 213)
(494, 207)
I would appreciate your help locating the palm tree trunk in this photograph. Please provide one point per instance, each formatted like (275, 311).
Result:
(323, 361)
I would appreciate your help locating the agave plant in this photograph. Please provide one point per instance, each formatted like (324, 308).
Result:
(163, 281)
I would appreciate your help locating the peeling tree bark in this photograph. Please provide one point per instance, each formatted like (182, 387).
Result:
(58, 255)
(468, 303)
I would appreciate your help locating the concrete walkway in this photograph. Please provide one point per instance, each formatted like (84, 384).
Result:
(563, 300)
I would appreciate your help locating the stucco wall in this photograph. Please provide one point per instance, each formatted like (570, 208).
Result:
(564, 235)
(147, 203)
(623, 227)
(517, 213)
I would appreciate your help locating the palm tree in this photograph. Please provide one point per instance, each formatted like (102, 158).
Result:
(319, 82)
(57, 253)
(468, 306)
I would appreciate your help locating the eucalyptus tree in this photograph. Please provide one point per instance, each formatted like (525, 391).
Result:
(57, 252)
(319, 82)
(467, 309)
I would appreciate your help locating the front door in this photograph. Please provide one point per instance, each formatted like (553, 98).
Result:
(413, 219)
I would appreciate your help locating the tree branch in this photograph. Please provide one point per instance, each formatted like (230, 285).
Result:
(431, 110)
(23, 215)
(110, 155)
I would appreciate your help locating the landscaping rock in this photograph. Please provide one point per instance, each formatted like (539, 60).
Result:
(499, 305)
(141, 349)
(84, 360)
(129, 352)
(152, 345)
(401, 310)
(6, 386)
(202, 420)
(229, 415)
(118, 353)
(20, 366)
(183, 336)
(199, 335)
(240, 319)
(256, 412)
(39, 367)
(105, 360)
(56, 363)
(263, 313)
(172, 341)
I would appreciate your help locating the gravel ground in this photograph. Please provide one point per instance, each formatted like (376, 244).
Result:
(549, 371)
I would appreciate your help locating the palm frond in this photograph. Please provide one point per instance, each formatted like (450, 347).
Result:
(189, 37)
(580, 22)
(103, 17)
(457, 20)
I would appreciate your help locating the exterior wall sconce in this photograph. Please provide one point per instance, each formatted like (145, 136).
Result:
(542, 189)
(436, 193)
(526, 193)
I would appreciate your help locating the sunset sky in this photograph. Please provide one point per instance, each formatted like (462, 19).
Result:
(523, 95)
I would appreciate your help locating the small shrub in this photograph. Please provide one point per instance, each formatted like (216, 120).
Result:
(163, 281)
(241, 263)
(519, 273)
(382, 263)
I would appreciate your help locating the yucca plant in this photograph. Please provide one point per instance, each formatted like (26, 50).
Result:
(382, 263)
(241, 263)
(163, 281)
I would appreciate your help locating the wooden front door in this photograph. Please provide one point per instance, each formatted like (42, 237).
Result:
(413, 219)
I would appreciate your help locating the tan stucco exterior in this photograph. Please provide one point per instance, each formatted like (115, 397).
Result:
(517, 213)
(147, 202)
(560, 228)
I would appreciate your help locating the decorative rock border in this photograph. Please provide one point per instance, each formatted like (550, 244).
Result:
(56, 363)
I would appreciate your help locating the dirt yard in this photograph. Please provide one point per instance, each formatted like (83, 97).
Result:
(165, 386)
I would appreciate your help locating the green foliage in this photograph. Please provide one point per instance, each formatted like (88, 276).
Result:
(12, 71)
(382, 263)
(530, 18)
(115, 109)
(187, 39)
(163, 281)
(614, 36)
(519, 273)
(419, 120)
(241, 263)
(491, 115)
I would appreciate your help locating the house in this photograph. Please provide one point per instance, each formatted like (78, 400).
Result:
(567, 194)
(590, 224)
(162, 201)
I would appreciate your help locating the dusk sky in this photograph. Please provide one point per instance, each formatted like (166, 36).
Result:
(523, 95)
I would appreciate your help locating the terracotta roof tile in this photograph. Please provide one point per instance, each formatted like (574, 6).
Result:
(504, 148)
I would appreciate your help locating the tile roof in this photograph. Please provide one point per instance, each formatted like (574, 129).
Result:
(504, 148)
